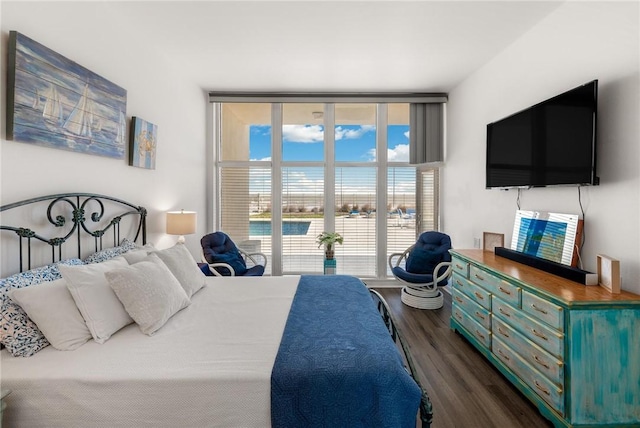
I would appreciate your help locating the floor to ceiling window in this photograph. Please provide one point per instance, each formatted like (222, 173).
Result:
(282, 179)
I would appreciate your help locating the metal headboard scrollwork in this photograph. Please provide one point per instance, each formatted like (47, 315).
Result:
(71, 210)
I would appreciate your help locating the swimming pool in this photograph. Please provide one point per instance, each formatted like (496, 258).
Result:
(262, 227)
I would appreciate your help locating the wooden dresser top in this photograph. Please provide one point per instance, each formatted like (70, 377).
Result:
(566, 291)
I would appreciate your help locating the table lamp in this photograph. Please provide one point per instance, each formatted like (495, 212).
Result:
(181, 223)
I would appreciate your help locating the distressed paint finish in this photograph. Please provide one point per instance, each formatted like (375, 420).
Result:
(594, 335)
(604, 355)
(544, 362)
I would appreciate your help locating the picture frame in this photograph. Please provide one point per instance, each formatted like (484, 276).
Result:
(143, 143)
(546, 235)
(608, 273)
(54, 102)
(492, 240)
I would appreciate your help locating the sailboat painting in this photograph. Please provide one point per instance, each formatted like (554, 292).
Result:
(144, 137)
(55, 102)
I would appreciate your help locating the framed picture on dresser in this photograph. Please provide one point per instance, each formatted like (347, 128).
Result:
(492, 240)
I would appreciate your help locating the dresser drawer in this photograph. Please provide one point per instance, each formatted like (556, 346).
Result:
(506, 291)
(543, 310)
(550, 392)
(477, 312)
(481, 334)
(476, 293)
(460, 267)
(547, 338)
(546, 363)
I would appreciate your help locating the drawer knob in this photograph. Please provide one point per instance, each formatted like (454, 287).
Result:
(503, 355)
(479, 277)
(540, 335)
(542, 388)
(503, 312)
(480, 335)
(478, 295)
(458, 266)
(459, 316)
(539, 309)
(502, 332)
(459, 300)
(479, 315)
(505, 291)
(459, 283)
(539, 361)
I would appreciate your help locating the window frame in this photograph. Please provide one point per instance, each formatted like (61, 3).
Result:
(276, 165)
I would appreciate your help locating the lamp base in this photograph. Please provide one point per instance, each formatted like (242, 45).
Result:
(181, 239)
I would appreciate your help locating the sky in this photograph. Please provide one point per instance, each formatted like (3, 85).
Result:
(354, 143)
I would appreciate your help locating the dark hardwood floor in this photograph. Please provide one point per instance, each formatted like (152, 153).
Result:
(465, 389)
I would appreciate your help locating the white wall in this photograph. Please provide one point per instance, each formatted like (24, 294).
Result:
(98, 36)
(578, 42)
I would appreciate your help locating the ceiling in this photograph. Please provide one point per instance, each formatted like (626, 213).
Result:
(322, 46)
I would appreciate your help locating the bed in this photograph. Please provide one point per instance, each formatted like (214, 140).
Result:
(243, 352)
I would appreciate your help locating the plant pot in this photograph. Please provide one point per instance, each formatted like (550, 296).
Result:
(328, 254)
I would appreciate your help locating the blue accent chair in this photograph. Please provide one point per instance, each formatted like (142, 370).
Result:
(224, 258)
(423, 267)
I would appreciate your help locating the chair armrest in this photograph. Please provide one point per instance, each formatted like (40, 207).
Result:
(251, 257)
(392, 256)
(212, 267)
(445, 274)
(401, 256)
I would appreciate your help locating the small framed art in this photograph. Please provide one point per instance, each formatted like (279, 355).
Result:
(608, 273)
(142, 145)
(492, 240)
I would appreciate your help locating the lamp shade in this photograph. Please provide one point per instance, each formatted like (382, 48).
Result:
(181, 222)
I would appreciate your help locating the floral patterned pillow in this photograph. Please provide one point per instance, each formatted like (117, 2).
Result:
(18, 333)
(109, 253)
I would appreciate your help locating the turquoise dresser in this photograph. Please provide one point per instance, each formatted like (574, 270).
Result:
(573, 350)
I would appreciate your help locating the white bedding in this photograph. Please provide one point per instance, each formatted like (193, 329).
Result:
(209, 366)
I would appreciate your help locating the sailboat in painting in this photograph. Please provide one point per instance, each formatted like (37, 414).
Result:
(52, 111)
(122, 130)
(80, 121)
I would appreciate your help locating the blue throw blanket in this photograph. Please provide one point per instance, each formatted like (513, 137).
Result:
(337, 365)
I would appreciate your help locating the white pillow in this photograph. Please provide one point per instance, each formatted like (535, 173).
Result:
(51, 307)
(98, 304)
(150, 293)
(184, 267)
(138, 254)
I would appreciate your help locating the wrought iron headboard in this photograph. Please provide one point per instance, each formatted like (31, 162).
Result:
(74, 207)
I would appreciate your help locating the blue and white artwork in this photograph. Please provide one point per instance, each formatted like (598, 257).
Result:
(144, 139)
(54, 102)
(550, 236)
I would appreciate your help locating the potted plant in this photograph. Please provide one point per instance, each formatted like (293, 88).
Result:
(328, 239)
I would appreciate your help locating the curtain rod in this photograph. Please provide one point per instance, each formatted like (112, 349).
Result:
(328, 97)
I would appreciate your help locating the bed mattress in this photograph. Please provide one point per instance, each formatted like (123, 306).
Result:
(210, 365)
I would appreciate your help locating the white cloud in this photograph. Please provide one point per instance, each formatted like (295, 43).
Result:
(315, 133)
(399, 153)
(267, 159)
(350, 134)
(303, 133)
(299, 182)
(406, 134)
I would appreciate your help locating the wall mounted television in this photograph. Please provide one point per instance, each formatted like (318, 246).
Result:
(549, 144)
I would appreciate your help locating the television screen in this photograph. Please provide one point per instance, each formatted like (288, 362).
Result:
(550, 143)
